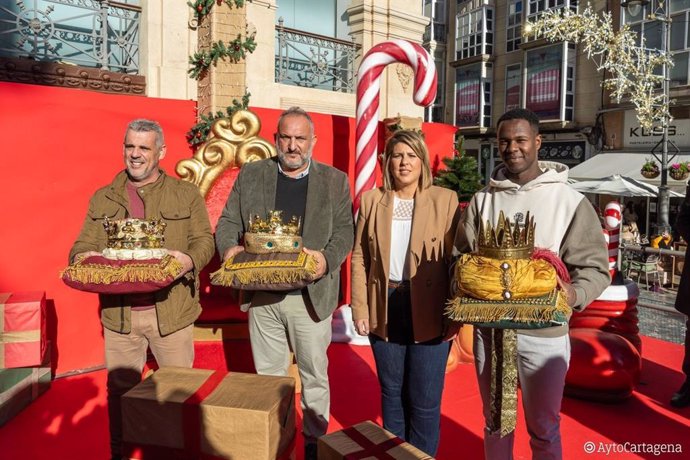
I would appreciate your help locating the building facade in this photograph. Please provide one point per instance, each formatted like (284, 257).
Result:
(307, 51)
(491, 68)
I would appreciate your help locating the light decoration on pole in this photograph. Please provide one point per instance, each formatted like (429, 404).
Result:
(630, 65)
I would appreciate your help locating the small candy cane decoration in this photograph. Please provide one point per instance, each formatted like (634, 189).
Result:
(368, 89)
(612, 221)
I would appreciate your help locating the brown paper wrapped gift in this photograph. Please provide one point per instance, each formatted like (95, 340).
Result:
(368, 441)
(195, 413)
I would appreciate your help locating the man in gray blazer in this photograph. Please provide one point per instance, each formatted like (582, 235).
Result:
(301, 319)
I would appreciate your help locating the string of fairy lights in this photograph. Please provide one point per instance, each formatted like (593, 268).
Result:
(630, 68)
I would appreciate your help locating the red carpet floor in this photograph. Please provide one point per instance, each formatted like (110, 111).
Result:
(70, 420)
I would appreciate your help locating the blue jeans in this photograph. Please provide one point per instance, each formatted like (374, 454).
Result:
(411, 376)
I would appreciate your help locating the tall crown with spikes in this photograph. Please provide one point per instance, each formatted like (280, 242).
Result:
(506, 240)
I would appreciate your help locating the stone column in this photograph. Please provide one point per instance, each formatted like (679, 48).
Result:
(166, 43)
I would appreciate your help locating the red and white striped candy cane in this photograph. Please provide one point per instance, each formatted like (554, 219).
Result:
(612, 269)
(368, 89)
(612, 222)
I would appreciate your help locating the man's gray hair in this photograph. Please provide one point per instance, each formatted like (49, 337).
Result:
(297, 111)
(142, 125)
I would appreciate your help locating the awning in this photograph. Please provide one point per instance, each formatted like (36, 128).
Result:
(624, 164)
(619, 186)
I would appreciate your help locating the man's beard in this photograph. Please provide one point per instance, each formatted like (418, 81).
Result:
(285, 164)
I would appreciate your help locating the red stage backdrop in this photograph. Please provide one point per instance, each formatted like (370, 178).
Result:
(60, 146)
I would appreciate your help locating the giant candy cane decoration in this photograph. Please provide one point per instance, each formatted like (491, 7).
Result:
(368, 88)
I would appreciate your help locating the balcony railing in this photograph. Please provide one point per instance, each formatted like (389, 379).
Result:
(314, 61)
(89, 33)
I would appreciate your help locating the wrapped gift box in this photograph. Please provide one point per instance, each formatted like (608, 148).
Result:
(198, 413)
(366, 440)
(22, 329)
(19, 386)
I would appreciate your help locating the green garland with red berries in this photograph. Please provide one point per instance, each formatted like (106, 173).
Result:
(233, 51)
(199, 132)
(203, 7)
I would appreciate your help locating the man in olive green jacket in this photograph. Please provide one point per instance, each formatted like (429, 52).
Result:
(164, 319)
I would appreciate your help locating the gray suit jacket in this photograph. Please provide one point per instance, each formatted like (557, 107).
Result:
(328, 224)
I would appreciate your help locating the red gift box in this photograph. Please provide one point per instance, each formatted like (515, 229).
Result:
(22, 329)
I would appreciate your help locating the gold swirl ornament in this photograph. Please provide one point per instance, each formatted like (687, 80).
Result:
(232, 142)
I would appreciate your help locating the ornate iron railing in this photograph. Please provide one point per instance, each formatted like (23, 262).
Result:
(89, 33)
(314, 61)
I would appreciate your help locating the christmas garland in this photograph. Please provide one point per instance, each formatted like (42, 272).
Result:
(233, 51)
(203, 7)
(199, 132)
(204, 58)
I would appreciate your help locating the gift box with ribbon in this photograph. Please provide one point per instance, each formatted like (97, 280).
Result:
(22, 329)
(20, 386)
(366, 440)
(205, 414)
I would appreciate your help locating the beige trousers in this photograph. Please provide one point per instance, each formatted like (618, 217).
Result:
(278, 324)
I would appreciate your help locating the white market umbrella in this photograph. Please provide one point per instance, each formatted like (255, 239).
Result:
(622, 186)
(618, 185)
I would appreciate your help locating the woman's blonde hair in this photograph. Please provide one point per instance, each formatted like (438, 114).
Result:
(415, 141)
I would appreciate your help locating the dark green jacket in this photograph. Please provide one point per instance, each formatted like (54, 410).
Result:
(180, 205)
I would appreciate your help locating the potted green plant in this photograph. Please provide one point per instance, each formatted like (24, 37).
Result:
(678, 171)
(650, 168)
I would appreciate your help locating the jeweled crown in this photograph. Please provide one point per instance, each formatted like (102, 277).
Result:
(134, 233)
(274, 225)
(272, 234)
(506, 240)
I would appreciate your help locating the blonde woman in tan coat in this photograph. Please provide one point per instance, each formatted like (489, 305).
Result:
(400, 284)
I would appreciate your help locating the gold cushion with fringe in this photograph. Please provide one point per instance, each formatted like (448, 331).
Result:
(488, 279)
(548, 310)
(266, 272)
(507, 294)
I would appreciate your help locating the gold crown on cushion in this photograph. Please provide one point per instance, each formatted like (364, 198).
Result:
(134, 233)
(272, 234)
(506, 240)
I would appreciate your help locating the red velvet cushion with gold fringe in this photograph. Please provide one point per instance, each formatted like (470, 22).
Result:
(106, 276)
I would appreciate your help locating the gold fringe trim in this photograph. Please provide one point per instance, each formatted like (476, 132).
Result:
(266, 271)
(544, 311)
(94, 273)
